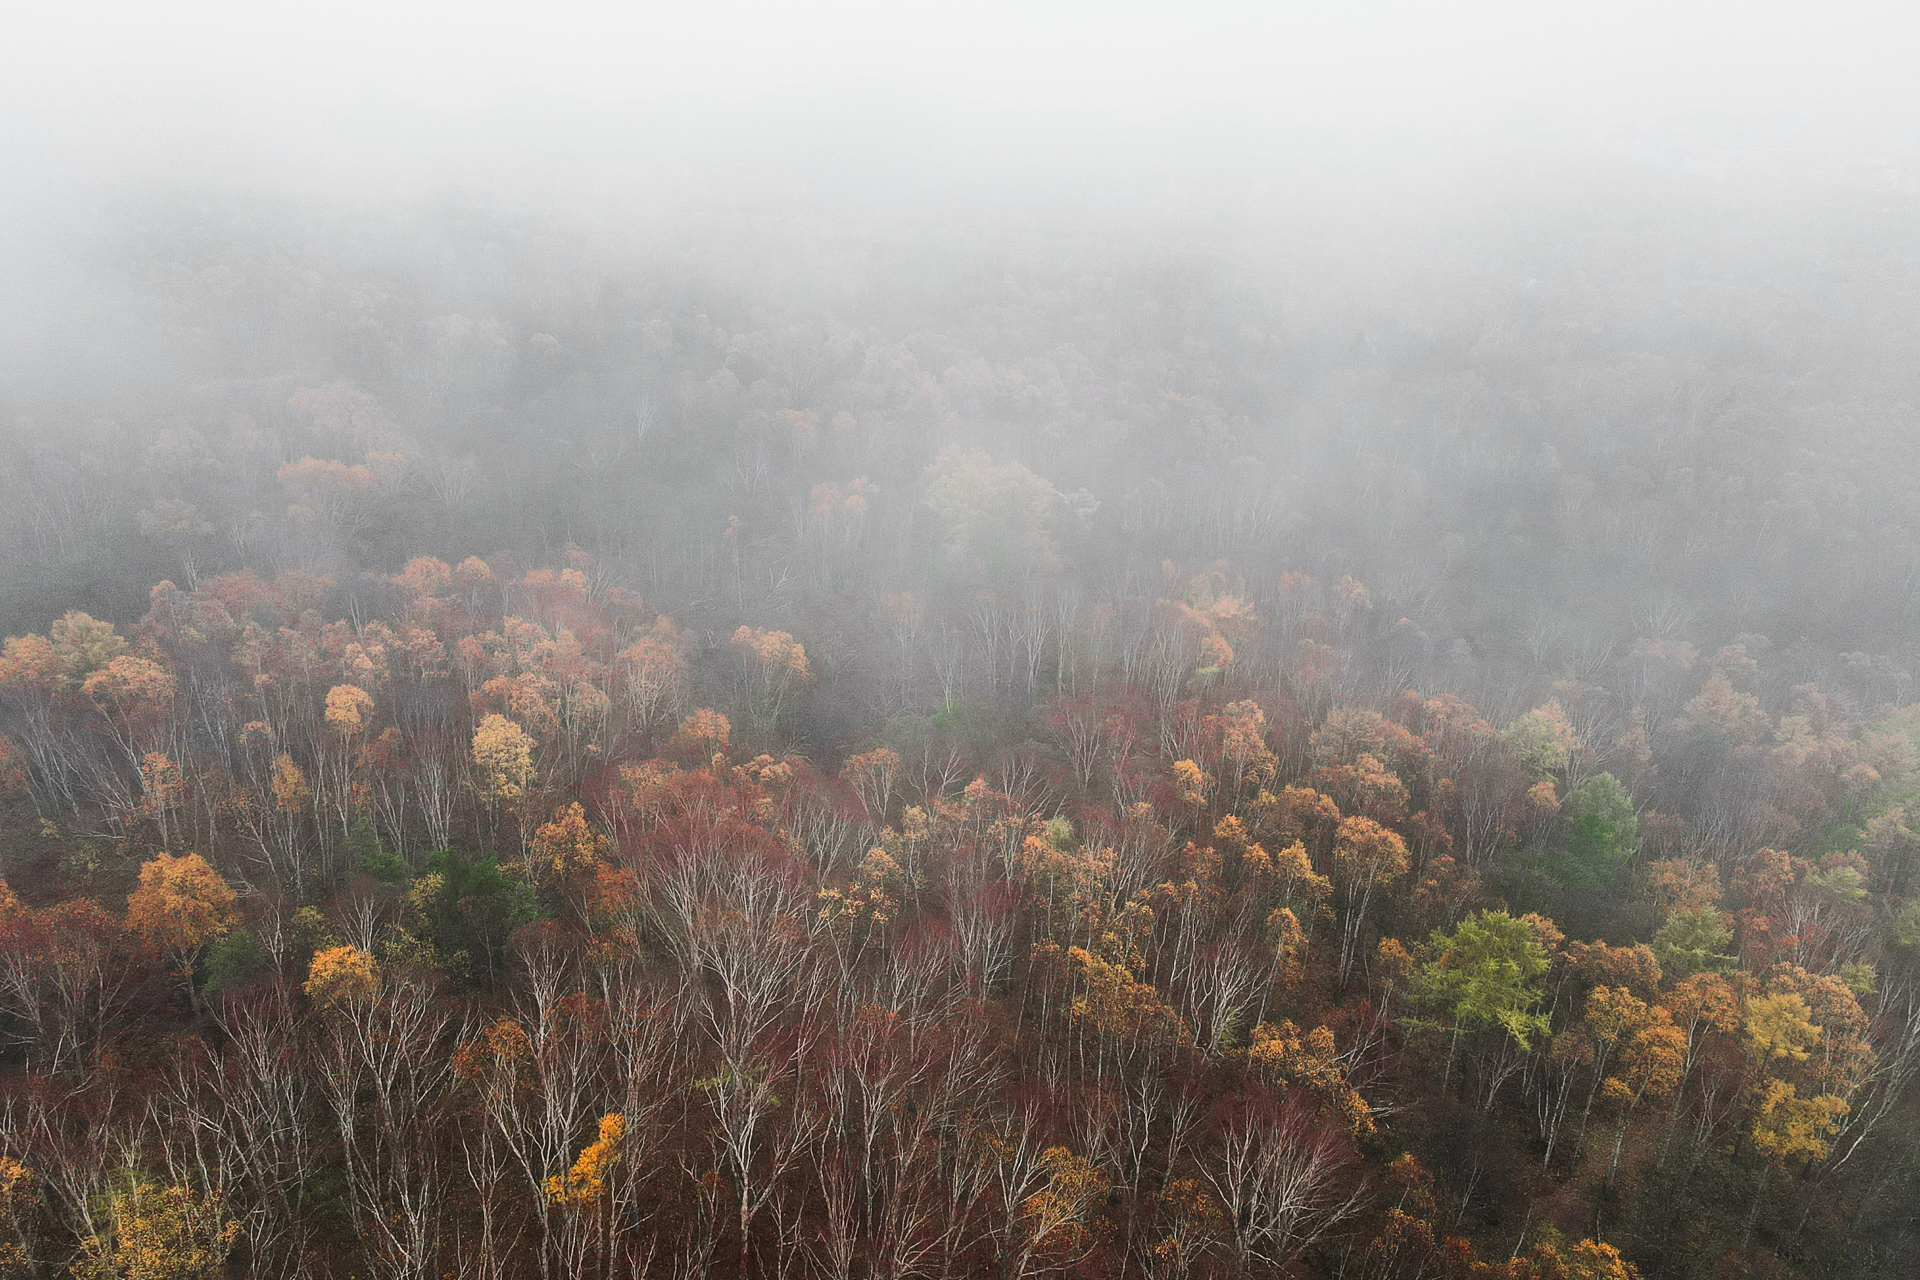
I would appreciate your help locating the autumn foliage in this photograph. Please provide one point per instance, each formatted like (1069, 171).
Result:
(526, 932)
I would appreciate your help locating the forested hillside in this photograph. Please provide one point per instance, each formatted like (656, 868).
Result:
(1311, 745)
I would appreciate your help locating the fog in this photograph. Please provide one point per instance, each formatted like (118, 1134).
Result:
(883, 640)
(383, 101)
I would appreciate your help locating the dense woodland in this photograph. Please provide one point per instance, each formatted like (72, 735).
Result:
(1376, 747)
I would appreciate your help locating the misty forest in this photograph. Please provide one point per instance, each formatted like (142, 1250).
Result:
(1354, 738)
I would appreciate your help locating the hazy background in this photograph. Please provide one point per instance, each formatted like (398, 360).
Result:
(850, 101)
(1383, 240)
(1070, 389)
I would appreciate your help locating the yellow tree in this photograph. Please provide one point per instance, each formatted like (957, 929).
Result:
(1638, 1053)
(654, 670)
(1309, 1061)
(775, 665)
(292, 796)
(1366, 856)
(1194, 1224)
(502, 758)
(422, 579)
(1781, 1036)
(872, 776)
(1779, 1028)
(30, 679)
(162, 789)
(1788, 1128)
(566, 846)
(348, 714)
(472, 576)
(999, 516)
(1541, 741)
(1126, 1015)
(1701, 1005)
(1243, 740)
(341, 975)
(134, 696)
(82, 645)
(349, 709)
(708, 731)
(160, 1233)
(1057, 1217)
(1364, 786)
(182, 904)
(581, 1185)
(17, 1199)
(1587, 1260)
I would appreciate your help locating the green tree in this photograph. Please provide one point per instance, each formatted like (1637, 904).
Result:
(1542, 740)
(1486, 974)
(1603, 828)
(1581, 882)
(1904, 932)
(1483, 982)
(1693, 942)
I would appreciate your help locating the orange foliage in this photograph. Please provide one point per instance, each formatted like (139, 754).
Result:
(586, 1180)
(1309, 1061)
(341, 975)
(567, 845)
(708, 730)
(348, 708)
(1632, 968)
(771, 655)
(181, 905)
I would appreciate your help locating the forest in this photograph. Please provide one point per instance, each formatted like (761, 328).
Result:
(1355, 745)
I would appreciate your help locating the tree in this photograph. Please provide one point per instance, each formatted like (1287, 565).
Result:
(1000, 518)
(1055, 1218)
(182, 904)
(1194, 1224)
(1638, 1053)
(1692, 942)
(654, 669)
(349, 708)
(1587, 1260)
(1243, 739)
(383, 1065)
(1484, 977)
(774, 664)
(1602, 836)
(422, 579)
(18, 1197)
(872, 776)
(586, 1181)
(160, 1233)
(82, 645)
(502, 758)
(134, 695)
(1788, 1128)
(567, 845)
(708, 731)
(278, 834)
(1279, 1180)
(1779, 1027)
(63, 975)
(1365, 786)
(161, 788)
(1542, 741)
(1366, 856)
(338, 975)
(1309, 1062)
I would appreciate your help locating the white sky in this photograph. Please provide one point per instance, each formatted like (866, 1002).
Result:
(407, 96)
